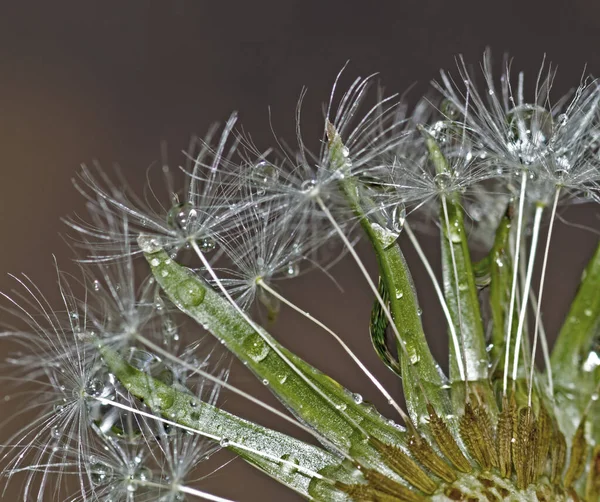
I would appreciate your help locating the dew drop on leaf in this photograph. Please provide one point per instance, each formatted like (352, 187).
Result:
(190, 293)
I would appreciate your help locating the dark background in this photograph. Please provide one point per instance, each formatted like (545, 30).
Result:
(85, 80)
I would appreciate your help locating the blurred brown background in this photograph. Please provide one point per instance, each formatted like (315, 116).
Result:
(106, 80)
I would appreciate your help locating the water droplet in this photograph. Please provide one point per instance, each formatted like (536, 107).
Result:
(56, 432)
(530, 129)
(413, 356)
(138, 478)
(224, 443)
(419, 311)
(155, 262)
(100, 473)
(399, 294)
(340, 406)
(358, 399)
(449, 109)
(182, 217)
(97, 387)
(283, 379)
(165, 400)
(310, 187)
(96, 285)
(148, 244)
(386, 235)
(164, 273)
(443, 181)
(190, 293)
(293, 269)
(255, 348)
(207, 245)
(264, 173)
(592, 362)
(265, 381)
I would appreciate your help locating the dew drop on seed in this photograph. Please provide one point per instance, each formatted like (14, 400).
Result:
(443, 181)
(98, 388)
(182, 216)
(530, 128)
(100, 473)
(292, 270)
(190, 293)
(358, 399)
(308, 185)
(264, 173)
(207, 245)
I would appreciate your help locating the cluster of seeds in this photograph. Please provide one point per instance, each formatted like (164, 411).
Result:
(124, 397)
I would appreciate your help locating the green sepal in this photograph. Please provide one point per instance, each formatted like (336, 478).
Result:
(187, 410)
(332, 413)
(576, 351)
(500, 267)
(361, 412)
(422, 379)
(469, 324)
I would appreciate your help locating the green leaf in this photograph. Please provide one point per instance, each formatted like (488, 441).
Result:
(258, 445)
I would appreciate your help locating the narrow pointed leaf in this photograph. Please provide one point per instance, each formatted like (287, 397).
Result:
(331, 412)
(258, 445)
(460, 291)
(422, 379)
(500, 270)
(576, 355)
